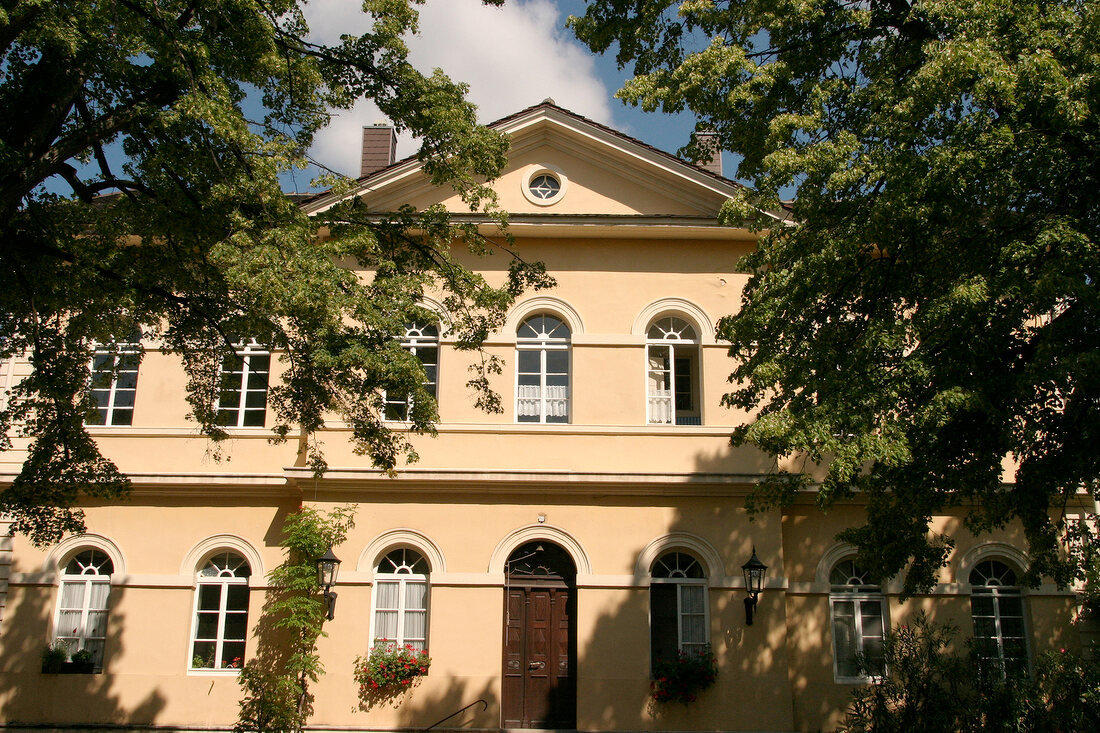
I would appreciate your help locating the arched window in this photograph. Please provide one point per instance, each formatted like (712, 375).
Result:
(997, 608)
(858, 622)
(677, 607)
(422, 341)
(542, 379)
(672, 373)
(82, 606)
(221, 613)
(242, 396)
(113, 384)
(401, 599)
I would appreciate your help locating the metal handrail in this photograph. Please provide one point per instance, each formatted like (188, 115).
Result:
(484, 707)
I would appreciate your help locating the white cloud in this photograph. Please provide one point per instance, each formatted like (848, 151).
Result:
(512, 57)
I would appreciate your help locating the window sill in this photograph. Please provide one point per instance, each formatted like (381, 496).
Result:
(72, 668)
(207, 672)
(857, 680)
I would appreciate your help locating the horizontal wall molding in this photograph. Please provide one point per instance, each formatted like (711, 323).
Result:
(893, 589)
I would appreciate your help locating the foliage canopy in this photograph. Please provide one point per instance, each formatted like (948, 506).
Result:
(210, 101)
(934, 305)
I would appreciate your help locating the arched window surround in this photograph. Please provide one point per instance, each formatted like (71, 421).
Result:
(63, 550)
(694, 545)
(204, 548)
(677, 307)
(532, 532)
(399, 537)
(543, 304)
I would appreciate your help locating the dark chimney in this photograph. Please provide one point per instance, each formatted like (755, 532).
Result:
(708, 142)
(379, 148)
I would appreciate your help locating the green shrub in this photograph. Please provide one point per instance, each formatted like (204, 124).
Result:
(927, 688)
(921, 688)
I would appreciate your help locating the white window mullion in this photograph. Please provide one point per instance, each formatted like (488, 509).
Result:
(219, 645)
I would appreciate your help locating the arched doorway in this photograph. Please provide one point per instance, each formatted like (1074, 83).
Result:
(539, 688)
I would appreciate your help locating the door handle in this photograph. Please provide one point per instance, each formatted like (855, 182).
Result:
(536, 665)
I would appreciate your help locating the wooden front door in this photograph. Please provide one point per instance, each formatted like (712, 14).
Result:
(539, 678)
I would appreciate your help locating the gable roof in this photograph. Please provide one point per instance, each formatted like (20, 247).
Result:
(548, 118)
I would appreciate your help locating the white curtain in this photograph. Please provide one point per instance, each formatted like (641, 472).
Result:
(693, 614)
(557, 401)
(530, 396)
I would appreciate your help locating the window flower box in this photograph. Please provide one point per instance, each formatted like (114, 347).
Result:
(682, 679)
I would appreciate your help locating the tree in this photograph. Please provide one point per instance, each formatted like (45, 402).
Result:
(198, 246)
(933, 306)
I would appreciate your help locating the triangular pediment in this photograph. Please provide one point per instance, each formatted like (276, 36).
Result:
(599, 171)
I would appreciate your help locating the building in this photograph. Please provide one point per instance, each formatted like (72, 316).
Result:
(545, 556)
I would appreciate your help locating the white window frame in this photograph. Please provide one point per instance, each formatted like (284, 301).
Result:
(402, 576)
(89, 576)
(856, 590)
(121, 350)
(415, 340)
(998, 594)
(245, 351)
(235, 571)
(661, 407)
(682, 582)
(544, 343)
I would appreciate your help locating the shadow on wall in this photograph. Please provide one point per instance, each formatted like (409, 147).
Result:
(456, 706)
(28, 695)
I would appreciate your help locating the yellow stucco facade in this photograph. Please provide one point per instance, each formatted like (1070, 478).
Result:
(631, 238)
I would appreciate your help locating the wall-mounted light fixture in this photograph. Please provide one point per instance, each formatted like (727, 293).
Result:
(328, 565)
(754, 571)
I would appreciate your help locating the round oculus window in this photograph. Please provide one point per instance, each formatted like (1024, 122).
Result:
(544, 186)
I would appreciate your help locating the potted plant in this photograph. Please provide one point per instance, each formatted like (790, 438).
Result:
(54, 657)
(83, 662)
(682, 679)
(389, 669)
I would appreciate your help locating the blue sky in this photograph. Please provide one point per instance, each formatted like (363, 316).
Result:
(511, 57)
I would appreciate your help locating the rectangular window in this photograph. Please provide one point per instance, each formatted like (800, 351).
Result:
(397, 405)
(401, 612)
(242, 398)
(671, 382)
(221, 626)
(678, 620)
(82, 616)
(999, 636)
(543, 385)
(857, 633)
(113, 385)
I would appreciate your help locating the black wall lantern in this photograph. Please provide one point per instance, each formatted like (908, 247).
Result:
(754, 571)
(328, 565)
